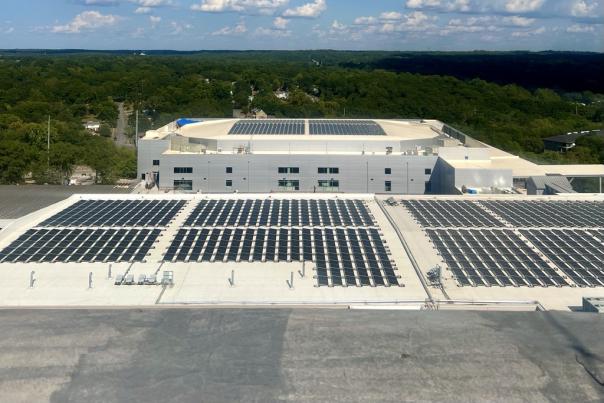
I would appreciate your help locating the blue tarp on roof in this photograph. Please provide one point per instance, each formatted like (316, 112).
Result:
(186, 121)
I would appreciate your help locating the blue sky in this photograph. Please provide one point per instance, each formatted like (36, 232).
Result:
(304, 24)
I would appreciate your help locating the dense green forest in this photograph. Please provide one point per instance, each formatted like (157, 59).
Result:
(71, 87)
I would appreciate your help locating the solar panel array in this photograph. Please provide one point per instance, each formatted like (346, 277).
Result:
(116, 213)
(95, 231)
(343, 256)
(493, 257)
(268, 126)
(267, 212)
(544, 213)
(529, 242)
(345, 127)
(578, 253)
(339, 236)
(80, 245)
(450, 213)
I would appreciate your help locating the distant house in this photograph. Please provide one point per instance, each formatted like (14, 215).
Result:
(565, 142)
(82, 175)
(283, 95)
(259, 113)
(92, 126)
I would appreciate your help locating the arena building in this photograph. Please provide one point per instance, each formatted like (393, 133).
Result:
(326, 155)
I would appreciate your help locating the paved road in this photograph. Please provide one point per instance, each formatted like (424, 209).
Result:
(120, 129)
(17, 201)
(321, 355)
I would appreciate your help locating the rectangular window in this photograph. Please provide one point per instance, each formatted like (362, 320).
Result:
(428, 171)
(143, 176)
(155, 162)
(387, 171)
(322, 170)
(183, 185)
(228, 183)
(329, 170)
(330, 185)
(388, 186)
(289, 170)
(183, 170)
(229, 170)
(287, 185)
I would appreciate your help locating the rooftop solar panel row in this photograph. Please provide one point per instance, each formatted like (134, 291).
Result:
(345, 127)
(268, 127)
(492, 257)
(450, 213)
(274, 212)
(116, 213)
(343, 257)
(80, 245)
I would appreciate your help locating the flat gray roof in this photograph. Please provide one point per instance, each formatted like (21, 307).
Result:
(270, 355)
(18, 201)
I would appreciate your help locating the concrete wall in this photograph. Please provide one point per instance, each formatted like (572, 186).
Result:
(149, 150)
(259, 173)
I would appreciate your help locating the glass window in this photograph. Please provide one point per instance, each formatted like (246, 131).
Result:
(334, 170)
(323, 170)
(282, 170)
(155, 162)
(229, 183)
(329, 185)
(388, 186)
(289, 185)
(229, 170)
(387, 171)
(183, 184)
(294, 170)
(428, 171)
(183, 170)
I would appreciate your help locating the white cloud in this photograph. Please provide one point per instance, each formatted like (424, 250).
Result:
(280, 33)
(143, 10)
(308, 10)
(238, 29)
(155, 20)
(580, 29)
(153, 3)
(422, 3)
(178, 28)
(280, 22)
(391, 15)
(86, 21)
(581, 8)
(365, 21)
(415, 21)
(517, 21)
(523, 6)
(533, 32)
(266, 7)
(9, 30)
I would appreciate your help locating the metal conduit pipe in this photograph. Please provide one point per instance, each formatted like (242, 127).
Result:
(407, 250)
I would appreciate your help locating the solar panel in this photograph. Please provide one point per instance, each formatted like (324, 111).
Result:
(135, 213)
(492, 257)
(268, 127)
(80, 245)
(548, 213)
(339, 236)
(578, 253)
(450, 213)
(345, 127)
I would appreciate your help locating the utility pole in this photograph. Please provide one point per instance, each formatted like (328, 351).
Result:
(48, 145)
(136, 130)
